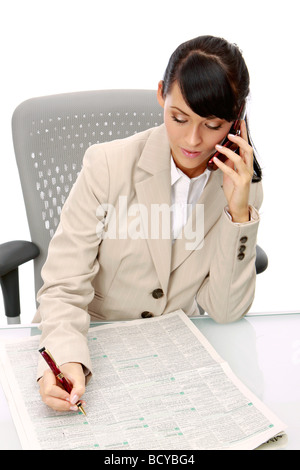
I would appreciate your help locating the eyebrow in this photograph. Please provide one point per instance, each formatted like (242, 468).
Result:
(208, 118)
(180, 110)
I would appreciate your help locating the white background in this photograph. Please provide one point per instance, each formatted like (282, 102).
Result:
(59, 46)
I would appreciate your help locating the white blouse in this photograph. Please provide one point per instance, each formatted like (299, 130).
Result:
(185, 193)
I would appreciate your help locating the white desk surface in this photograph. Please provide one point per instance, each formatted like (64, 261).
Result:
(262, 350)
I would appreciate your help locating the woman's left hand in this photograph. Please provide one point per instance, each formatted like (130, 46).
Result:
(237, 175)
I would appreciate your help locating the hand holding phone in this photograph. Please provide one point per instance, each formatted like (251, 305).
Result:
(235, 130)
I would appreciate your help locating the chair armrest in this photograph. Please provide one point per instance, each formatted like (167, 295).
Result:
(12, 255)
(261, 262)
(15, 253)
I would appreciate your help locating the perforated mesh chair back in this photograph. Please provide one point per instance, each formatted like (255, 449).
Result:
(51, 135)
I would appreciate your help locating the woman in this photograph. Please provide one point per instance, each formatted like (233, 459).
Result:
(111, 259)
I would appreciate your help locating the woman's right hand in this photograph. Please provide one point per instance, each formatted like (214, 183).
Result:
(55, 396)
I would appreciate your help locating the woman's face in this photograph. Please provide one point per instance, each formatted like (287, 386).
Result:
(192, 138)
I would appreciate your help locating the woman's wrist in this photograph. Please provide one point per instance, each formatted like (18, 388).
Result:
(241, 216)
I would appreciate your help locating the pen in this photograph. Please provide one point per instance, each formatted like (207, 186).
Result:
(58, 374)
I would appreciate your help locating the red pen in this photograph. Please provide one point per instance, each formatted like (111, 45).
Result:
(58, 374)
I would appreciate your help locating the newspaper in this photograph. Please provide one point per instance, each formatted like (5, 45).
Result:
(157, 384)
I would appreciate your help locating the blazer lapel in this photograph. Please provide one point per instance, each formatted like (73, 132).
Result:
(154, 194)
(213, 200)
(153, 189)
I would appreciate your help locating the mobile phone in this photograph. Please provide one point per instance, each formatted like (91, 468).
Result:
(235, 129)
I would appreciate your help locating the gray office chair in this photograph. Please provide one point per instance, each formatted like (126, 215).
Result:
(50, 136)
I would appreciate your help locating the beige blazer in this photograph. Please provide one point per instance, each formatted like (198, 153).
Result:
(91, 273)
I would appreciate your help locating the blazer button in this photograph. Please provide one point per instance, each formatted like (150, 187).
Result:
(243, 239)
(241, 256)
(146, 314)
(242, 248)
(157, 293)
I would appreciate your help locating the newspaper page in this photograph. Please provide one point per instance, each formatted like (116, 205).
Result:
(157, 384)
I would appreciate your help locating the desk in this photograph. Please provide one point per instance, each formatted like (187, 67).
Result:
(262, 350)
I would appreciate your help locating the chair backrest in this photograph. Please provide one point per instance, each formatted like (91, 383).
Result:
(50, 136)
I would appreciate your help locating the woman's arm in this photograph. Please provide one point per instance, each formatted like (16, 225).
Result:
(72, 265)
(228, 291)
(237, 175)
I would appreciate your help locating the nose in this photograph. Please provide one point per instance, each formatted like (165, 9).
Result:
(194, 138)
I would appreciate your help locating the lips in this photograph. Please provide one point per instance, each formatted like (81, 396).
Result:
(189, 154)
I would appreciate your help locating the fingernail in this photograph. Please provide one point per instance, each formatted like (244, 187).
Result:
(75, 399)
(232, 135)
(219, 146)
(73, 408)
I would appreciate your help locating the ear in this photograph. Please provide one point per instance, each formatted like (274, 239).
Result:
(160, 97)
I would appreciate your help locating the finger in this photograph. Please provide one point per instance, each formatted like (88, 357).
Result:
(56, 398)
(76, 377)
(50, 387)
(237, 171)
(244, 133)
(241, 142)
(246, 151)
(59, 405)
(53, 395)
(227, 169)
(232, 156)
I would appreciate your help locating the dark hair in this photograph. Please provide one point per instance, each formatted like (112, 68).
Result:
(213, 79)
